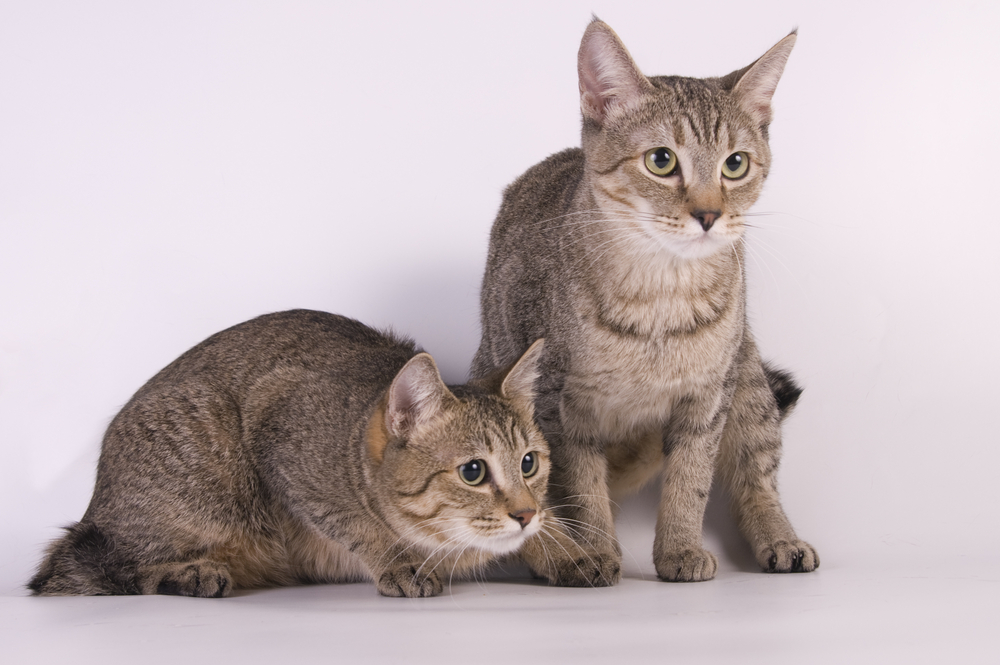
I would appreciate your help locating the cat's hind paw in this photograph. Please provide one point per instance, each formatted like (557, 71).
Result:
(199, 579)
(785, 556)
(408, 581)
(691, 565)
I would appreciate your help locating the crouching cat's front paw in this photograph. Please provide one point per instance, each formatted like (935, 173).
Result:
(407, 580)
(690, 565)
(784, 556)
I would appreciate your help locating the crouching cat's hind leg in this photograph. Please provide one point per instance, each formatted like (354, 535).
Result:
(201, 578)
(90, 561)
(748, 460)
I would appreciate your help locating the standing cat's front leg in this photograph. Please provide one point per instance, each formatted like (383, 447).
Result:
(690, 445)
(748, 460)
(580, 548)
(578, 485)
(554, 555)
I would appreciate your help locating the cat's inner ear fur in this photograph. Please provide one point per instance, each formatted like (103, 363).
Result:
(417, 396)
(519, 384)
(755, 85)
(609, 78)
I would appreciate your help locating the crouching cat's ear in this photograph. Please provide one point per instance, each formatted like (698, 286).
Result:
(519, 384)
(417, 396)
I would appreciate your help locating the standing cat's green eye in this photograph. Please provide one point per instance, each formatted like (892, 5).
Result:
(661, 161)
(736, 165)
(472, 473)
(529, 465)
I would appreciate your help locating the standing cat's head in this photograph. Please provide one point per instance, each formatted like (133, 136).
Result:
(680, 158)
(462, 468)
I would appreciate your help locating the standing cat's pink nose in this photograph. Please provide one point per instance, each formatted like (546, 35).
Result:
(706, 217)
(523, 516)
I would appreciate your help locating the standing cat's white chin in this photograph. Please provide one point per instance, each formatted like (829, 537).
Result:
(692, 243)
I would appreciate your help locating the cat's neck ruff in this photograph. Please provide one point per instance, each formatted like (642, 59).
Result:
(635, 267)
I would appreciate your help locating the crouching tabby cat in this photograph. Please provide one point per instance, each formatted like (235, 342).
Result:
(627, 257)
(306, 447)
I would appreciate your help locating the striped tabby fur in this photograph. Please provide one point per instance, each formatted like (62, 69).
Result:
(634, 274)
(306, 447)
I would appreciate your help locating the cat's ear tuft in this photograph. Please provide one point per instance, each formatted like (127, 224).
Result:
(519, 384)
(756, 84)
(609, 78)
(417, 396)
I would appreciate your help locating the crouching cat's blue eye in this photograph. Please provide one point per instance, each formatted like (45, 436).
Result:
(529, 465)
(736, 165)
(661, 161)
(474, 472)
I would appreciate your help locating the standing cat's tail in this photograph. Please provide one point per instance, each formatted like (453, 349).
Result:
(84, 562)
(786, 391)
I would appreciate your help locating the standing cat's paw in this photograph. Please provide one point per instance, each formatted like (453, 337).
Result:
(783, 556)
(200, 579)
(407, 580)
(692, 565)
(586, 569)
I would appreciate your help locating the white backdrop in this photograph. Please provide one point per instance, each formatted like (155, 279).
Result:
(170, 169)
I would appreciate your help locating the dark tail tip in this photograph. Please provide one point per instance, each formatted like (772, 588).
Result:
(84, 562)
(786, 391)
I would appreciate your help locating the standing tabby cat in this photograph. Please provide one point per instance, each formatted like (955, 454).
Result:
(627, 256)
(307, 447)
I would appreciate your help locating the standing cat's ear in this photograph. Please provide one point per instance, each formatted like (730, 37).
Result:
(417, 395)
(755, 85)
(519, 384)
(608, 75)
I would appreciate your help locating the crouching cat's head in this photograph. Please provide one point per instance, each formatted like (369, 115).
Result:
(678, 160)
(461, 472)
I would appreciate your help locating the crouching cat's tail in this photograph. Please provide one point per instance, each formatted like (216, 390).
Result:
(786, 391)
(84, 562)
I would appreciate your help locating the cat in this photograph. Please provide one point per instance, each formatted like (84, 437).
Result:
(626, 255)
(306, 447)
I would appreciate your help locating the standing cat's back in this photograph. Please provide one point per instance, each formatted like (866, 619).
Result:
(525, 248)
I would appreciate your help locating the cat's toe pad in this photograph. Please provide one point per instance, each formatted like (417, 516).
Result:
(409, 581)
(691, 565)
(785, 556)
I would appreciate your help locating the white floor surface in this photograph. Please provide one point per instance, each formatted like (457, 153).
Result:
(857, 613)
(896, 603)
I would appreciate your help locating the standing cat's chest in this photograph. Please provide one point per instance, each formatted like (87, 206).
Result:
(640, 345)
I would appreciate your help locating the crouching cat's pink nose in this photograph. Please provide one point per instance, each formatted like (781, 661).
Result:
(523, 516)
(706, 218)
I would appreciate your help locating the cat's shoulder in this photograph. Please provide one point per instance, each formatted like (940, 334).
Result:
(554, 175)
